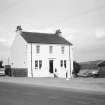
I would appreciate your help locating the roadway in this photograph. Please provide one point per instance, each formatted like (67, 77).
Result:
(16, 94)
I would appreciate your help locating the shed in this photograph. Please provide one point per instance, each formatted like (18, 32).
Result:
(101, 67)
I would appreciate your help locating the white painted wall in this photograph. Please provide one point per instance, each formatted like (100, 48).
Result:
(18, 52)
(45, 56)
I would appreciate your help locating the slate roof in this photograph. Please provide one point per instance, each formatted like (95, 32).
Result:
(101, 64)
(44, 38)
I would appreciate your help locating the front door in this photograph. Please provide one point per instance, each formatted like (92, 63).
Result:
(51, 66)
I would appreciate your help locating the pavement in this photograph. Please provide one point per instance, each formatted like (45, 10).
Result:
(78, 84)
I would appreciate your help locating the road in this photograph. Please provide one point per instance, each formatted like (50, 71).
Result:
(15, 94)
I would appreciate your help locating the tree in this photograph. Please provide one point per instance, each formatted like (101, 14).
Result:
(76, 68)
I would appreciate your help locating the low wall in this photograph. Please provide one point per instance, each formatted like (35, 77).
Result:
(19, 72)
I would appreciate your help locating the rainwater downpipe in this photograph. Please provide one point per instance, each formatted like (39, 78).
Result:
(31, 62)
(70, 60)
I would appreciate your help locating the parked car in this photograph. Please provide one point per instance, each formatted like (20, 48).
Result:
(92, 73)
(95, 73)
(2, 71)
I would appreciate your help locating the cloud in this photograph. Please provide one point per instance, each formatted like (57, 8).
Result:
(2, 40)
(100, 33)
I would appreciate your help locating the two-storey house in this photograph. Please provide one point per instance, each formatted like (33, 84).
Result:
(42, 54)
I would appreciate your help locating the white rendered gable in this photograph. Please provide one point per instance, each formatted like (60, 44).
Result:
(18, 52)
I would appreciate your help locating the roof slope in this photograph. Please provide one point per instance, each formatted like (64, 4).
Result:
(102, 63)
(44, 38)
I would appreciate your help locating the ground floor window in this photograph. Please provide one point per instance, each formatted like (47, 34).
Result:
(63, 63)
(38, 64)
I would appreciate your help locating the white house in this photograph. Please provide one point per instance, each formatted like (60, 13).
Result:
(43, 54)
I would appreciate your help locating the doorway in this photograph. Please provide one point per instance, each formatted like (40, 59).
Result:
(51, 66)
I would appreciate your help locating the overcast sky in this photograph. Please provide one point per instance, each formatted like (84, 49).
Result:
(81, 21)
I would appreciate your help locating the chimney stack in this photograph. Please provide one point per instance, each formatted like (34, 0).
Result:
(58, 32)
(18, 28)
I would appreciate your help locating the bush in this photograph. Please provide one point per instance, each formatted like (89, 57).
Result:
(76, 68)
(8, 70)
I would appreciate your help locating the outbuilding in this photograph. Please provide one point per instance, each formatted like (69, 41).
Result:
(101, 67)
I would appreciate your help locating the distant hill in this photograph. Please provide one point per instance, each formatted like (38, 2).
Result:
(90, 64)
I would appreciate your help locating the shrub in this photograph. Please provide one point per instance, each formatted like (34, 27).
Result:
(8, 70)
(76, 68)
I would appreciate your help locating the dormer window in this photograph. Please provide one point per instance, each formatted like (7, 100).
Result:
(38, 49)
(50, 49)
(62, 49)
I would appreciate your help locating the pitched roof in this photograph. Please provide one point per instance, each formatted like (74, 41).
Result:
(44, 38)
(101, 64)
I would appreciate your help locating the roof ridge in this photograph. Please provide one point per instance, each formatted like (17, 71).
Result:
(38, 32)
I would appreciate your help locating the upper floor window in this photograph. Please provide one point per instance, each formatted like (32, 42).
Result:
(37, 49)
(62, 49)
(50, 49)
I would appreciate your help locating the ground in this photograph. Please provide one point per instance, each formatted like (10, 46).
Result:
(83, 84)
(13, 94)
(50, 91)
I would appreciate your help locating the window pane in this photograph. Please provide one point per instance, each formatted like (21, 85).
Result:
(36, 63)
(65, 63)
(40, 64)
(62, 49)
(37, 49)
(61, 63)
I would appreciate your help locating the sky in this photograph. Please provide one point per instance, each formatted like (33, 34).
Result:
(82, 22)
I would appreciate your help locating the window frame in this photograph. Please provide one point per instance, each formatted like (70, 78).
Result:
(65, 63)
(40, 64)
(61, 63)
(38, 49)
(62, 49)
(50, 49)
(36, 64)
